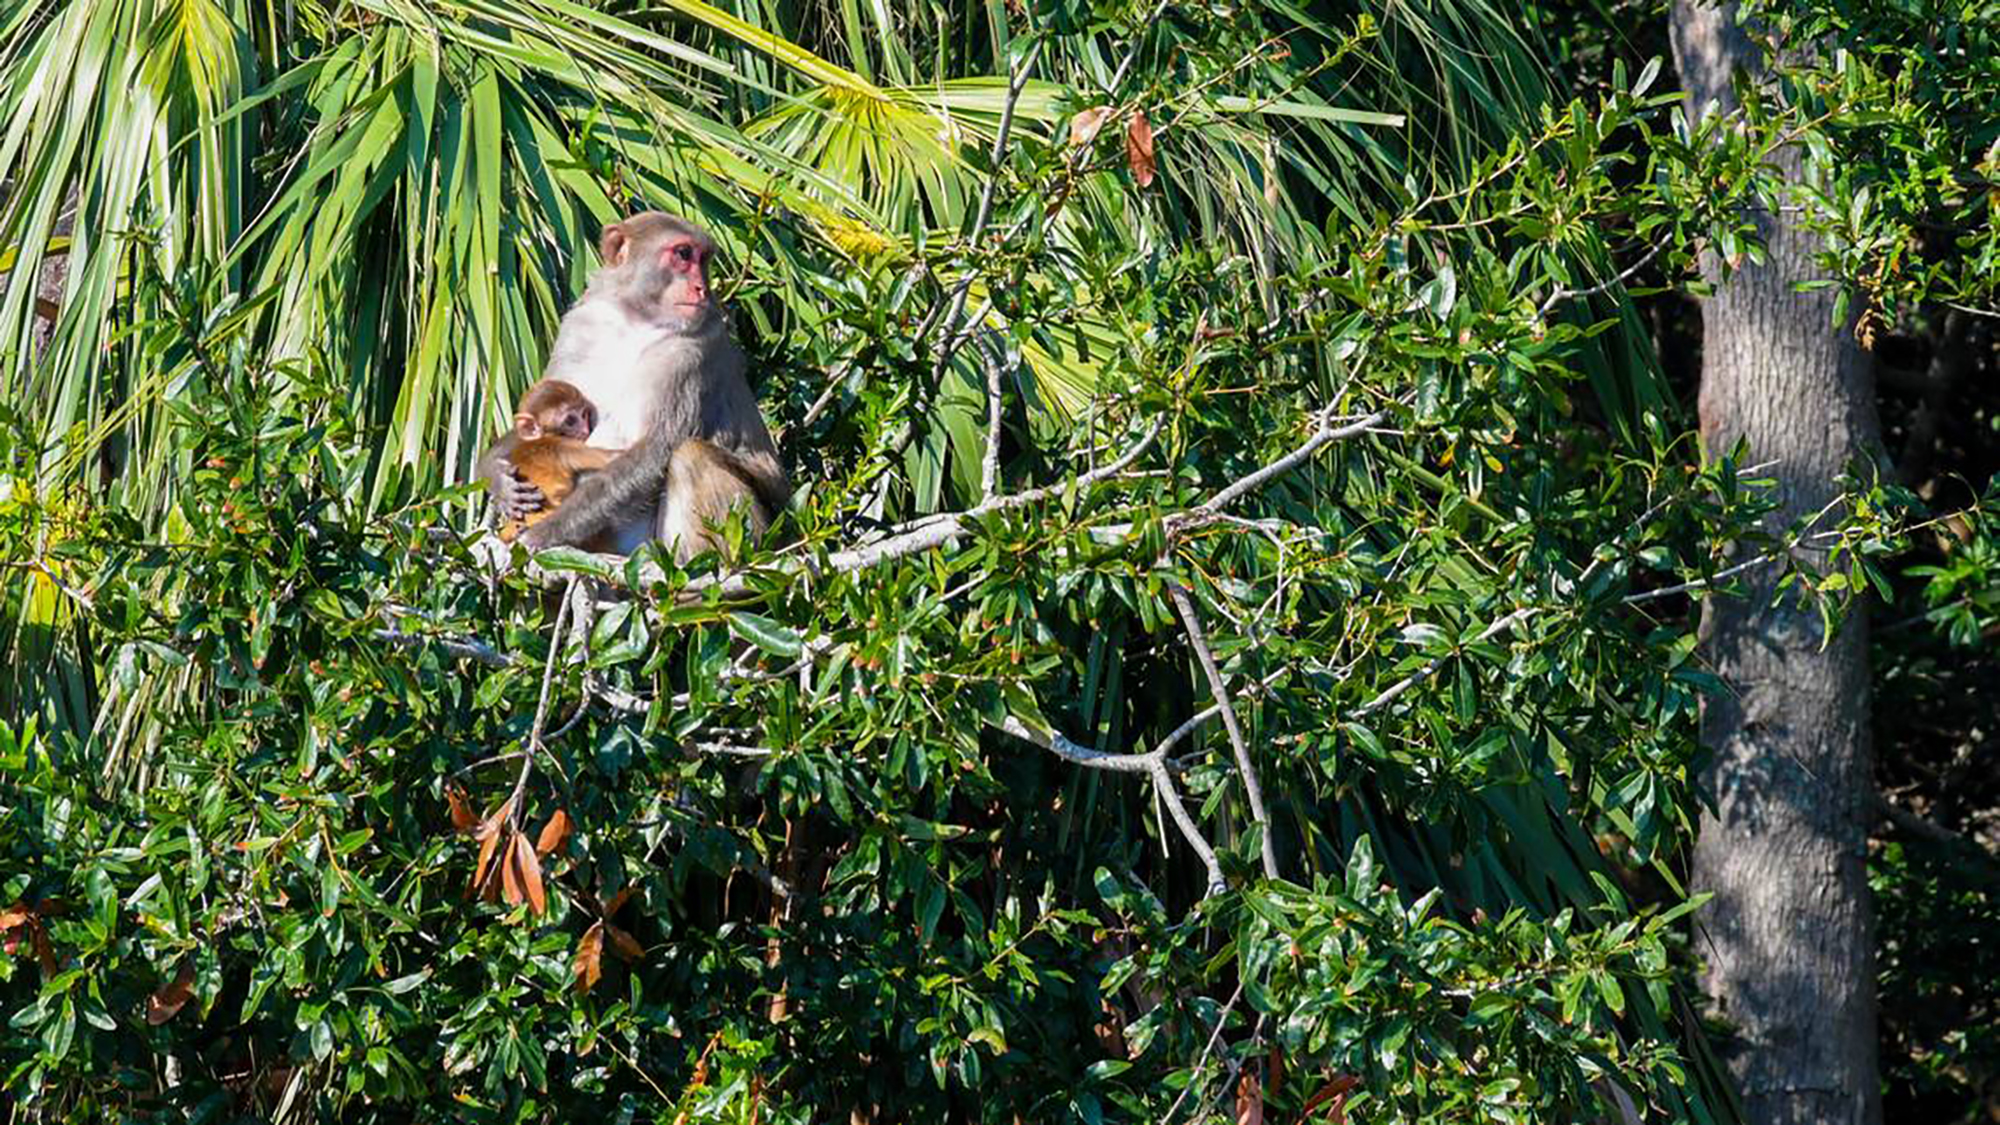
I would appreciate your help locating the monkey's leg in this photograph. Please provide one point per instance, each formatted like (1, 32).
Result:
(703, 485)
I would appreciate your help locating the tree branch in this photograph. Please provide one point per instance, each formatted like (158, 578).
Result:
(1390, 693)
(1163, 784)
(989, 466)
(1324, 435)
(1251, 786)
(1617, 279)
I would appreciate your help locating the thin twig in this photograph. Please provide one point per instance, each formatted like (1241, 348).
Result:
(1252, 788)
(956, 302)
(41, 567)
(1221, 1021)
(1138, 41)
(465, 648)
(1390, 693)
(534, 744)
(1324, 435)
(834, 379)
(1179, 734)
(1617, 279)
(1703, 583)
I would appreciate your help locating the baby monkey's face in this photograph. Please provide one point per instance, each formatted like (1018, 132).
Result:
(574, 421)
(572, 418)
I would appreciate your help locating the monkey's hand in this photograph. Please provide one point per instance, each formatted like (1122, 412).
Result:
(513, 496)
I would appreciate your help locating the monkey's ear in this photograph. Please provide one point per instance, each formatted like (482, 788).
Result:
(526, 427)
(612, 245)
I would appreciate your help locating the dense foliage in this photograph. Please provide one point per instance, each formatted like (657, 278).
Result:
(1322, 408)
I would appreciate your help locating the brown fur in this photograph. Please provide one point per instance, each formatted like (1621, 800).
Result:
(704, 484)
(552, 464)
(547, 447)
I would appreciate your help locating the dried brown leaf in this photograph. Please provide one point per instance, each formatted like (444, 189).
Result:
(511, 889)
(462, 816)
(172, 996)
(1249, 1100)
(1139, 148)
(1084, 127)
(588, 964)
(618, 900)
(530, 871)
(554, 834)
(624, 944)
(491, 825)
(482, 871)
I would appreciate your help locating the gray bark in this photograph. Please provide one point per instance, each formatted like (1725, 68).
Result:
(1789, 937)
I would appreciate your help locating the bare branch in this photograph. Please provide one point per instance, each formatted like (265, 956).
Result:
(1324, 435)
(1061, 747)
(729, 750)
(1252, 788)
(534, 743)
(989, 467)
(1149, 763)
(1389, 694)
(956, 303)
(1722, 575)
(1617, 279)
(1163, 784)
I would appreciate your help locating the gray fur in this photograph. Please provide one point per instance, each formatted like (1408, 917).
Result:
(693, 387)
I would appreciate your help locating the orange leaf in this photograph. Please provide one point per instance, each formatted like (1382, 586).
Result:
(554, 834)
(510, 871)
(1084, 127)
(530, 874)
(1249, 1100)
(588, 965)
(1139, 148)
(14, 916)
(481, 872)
(462, 816)
(624, 944)
(172, 996)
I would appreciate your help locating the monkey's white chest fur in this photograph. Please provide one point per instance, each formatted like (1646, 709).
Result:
(616, 363)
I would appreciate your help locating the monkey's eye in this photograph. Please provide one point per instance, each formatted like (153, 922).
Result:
(684, 252)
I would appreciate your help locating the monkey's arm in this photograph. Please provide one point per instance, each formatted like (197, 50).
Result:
(513, 496)
(606, 500)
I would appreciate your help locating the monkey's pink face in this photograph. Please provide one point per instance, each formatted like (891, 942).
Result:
(685, 260)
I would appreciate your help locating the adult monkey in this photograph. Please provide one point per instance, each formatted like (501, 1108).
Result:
(650, 348)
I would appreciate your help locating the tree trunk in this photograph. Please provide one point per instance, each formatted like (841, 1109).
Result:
(1789, 937)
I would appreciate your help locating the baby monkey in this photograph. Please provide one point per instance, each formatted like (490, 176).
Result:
(547, 447)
